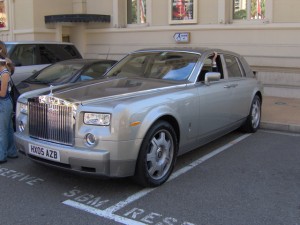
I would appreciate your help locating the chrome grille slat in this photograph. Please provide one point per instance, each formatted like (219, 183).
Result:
(51, 122)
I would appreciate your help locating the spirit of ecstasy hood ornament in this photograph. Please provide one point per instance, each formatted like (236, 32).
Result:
(51, 88)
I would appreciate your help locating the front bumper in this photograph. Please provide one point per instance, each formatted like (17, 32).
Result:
(118, 160)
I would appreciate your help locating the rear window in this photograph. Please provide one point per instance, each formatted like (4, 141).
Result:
(23, 54)
(233, 67)
(51, 53)
(35, 54)
(8, 47)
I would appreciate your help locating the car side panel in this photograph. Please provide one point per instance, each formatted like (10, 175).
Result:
(242, 94)
(215, 108)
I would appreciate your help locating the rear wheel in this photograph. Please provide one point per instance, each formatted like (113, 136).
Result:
(253, 121)
(157, 155)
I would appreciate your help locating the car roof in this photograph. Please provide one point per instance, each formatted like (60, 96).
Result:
(37, 42)
(198, 50)
(85, 61)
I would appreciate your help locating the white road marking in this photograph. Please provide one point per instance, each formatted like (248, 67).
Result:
(102, 213)
(206, 157)
(129, 200)
(108, 213)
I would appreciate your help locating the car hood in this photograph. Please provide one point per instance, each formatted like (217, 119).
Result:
(108, 88)
(25, 87)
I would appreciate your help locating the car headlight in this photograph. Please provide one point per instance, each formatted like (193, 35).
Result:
(100, 119)
(23, 108)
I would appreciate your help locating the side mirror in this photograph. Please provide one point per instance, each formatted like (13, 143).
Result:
(211, 76)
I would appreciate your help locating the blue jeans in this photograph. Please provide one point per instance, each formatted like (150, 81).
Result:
(7, 144)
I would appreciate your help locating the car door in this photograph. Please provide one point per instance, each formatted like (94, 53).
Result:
(240, 87)
(214, 101)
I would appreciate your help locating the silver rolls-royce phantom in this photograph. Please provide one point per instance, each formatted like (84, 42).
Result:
(150, 107)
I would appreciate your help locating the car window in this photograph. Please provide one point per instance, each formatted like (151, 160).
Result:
(101, 68)
(24, 55)
(57, 73)
(70, 51)
(172, 69)
(175, 66)
(135, 66)
(207, 67)
(95, 71)
(51, 53)
(9, 47)
(233, 67)
(48, 55)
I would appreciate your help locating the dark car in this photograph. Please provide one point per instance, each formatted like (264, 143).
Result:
(60, 73)
(68, 71)
(32, 56)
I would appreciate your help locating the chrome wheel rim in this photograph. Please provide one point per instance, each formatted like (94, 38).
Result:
(255, 114)
(160, 154)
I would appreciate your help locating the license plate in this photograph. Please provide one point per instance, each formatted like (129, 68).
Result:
(44, 152)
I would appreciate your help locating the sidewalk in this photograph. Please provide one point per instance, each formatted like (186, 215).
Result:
(282, 114)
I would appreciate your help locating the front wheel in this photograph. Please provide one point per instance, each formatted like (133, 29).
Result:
(253, 121)
(157, 155)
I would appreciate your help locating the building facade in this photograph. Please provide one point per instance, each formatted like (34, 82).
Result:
(266, 32)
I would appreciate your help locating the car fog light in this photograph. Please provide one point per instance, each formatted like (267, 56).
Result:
(90, 139)
(21, 126)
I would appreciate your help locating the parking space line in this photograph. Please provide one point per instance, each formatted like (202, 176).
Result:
(102, 213)
(179, 172)
(109, 212)
(129, 200)
(206, 157)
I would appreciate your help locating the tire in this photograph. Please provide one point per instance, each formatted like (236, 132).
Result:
(157, 155)
(253, 120)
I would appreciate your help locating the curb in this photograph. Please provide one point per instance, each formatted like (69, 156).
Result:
(280, 127)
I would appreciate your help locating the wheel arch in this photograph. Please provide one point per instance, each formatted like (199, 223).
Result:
(259, 94)
(174, 123)
(155, 115)
(255, 93)
(248, 125)
(167, 118)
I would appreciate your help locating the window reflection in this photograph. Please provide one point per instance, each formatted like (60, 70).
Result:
(249, 9)
(176, 66)
(136, 11)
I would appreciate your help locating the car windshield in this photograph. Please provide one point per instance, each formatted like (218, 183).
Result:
(57, 73)
(167, 65)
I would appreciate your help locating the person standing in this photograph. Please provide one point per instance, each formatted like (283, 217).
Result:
(7, 145)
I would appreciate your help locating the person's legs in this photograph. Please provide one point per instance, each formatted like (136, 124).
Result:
(4, 122)
(11, 151)
(7, 144)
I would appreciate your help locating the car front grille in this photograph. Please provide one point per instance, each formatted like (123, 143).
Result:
(51, 122)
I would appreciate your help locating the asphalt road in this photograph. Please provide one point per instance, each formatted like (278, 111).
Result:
(238, 179)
